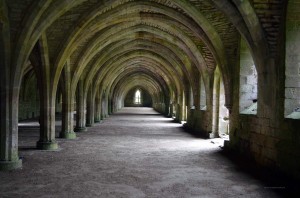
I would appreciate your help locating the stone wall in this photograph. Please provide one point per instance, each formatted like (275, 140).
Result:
(292, 83)
(198, 122)
(273, 143)
(248, 79)
(272, 147)
(29, 103)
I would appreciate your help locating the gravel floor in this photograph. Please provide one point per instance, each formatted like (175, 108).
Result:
(134, 153)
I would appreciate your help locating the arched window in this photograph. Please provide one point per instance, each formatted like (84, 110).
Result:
(137, 97)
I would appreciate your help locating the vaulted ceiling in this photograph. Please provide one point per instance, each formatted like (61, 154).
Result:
(160, 44)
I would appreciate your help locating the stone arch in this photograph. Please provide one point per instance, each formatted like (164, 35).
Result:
(148, 56)
(220, 114)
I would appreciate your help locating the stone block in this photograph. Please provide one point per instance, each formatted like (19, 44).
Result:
(292, 66)
(254, 120)
(256, 148)
(292, 93)
(256, 128)
(292, 81)
(265, 122)
(271, 142)
(264, 130)
(270, 153)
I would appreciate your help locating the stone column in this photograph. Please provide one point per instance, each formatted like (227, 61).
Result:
(9, 158)
(110, 105)
(80, 110)
(167, 107)
(47, 124)
(209, 86)
(67, 128)
(47, 104)
(216, 106)
(171, 109)
(104, 106)
(90, 110)
(178, 113)
(98, 108)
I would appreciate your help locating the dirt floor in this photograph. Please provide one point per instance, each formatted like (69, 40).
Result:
(134, 153)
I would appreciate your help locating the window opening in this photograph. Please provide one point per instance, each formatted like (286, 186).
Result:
(137, 97)
(248, 81)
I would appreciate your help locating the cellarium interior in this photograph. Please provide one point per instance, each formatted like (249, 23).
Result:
(224, 71)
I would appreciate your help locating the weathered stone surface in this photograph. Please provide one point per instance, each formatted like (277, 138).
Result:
(124, 158)
(89, 54)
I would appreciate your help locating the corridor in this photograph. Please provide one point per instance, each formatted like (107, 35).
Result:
(133, 153)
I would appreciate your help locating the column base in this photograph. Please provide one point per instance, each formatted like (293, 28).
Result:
(89, 125)
(67, 135)
(80, 129)
(98, 121)
(47, 145)
(10, 165)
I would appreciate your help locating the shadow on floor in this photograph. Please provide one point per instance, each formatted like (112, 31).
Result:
(27, 148)
(280, 183)
(193, 133)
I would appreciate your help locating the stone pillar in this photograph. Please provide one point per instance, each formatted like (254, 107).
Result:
(98, 108)
(167, 107)
(47, 124)
(178, 113)
(105, 106)
(209, 83)
(80, 110)
(47, 104)
(216, 106)
(102, 106)
(9, 158)
(171, 110)
(110, 105)
(90, 110)
(67, 128)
